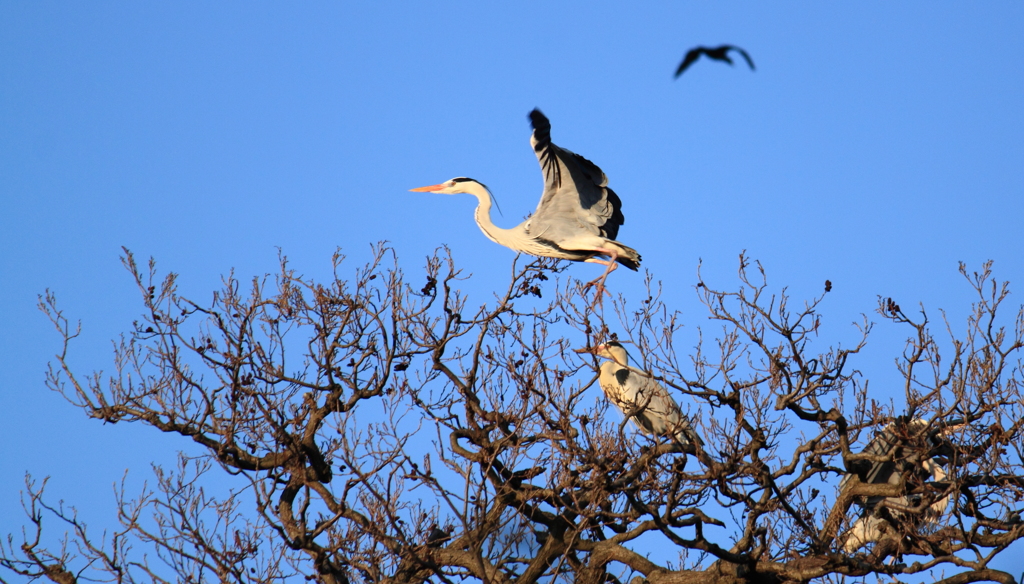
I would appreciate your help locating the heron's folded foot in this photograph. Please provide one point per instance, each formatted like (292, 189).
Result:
(599, 292)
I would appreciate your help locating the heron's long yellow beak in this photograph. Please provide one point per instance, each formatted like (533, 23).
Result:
(429, 189)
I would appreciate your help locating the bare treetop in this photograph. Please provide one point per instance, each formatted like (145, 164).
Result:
(382, 427)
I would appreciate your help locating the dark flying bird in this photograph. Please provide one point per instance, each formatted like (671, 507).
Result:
(904, 447)
(717, 53)
(578, 216)
(646, 402)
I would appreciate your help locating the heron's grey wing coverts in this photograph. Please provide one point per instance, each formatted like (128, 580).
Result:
(665, 411)
(658, 412)
(576, 198)
(882, 444)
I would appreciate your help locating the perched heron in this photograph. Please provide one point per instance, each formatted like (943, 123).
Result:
(646, 402)
(717, 53)
(578, 216)
(905, 447)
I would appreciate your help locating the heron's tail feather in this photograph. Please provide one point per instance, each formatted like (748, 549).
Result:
(629, 257)
(688, 436)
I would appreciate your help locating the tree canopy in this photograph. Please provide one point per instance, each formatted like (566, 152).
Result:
(381, 427)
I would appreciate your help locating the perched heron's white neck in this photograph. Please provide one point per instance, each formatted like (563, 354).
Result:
(617, 354)
(505, 237)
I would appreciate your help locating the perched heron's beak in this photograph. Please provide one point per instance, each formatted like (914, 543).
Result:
(586, 350)
(429, 189)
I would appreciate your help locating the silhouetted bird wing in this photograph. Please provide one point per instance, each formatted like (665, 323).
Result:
(691, 56)
(746, 57)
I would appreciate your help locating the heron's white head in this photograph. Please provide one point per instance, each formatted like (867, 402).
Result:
(611, 350)
(459, 184)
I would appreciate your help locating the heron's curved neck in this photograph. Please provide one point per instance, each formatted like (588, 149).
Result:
(483, 216)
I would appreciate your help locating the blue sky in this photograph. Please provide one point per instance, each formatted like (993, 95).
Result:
(876, 145)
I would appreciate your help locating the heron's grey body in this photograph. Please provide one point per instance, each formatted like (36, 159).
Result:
(901, 459)
(578, 217)
(646, 402)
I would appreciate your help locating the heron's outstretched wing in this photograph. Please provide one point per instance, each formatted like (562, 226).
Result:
(576, 198)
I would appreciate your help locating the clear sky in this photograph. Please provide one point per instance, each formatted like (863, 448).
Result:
(876, 145)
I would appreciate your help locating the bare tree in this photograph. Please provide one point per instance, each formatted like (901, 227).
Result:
(378, 430)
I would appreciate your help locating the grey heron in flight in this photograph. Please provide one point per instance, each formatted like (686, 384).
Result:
(646, 402)
(905, 448)
(578, 216)
(716, 53)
